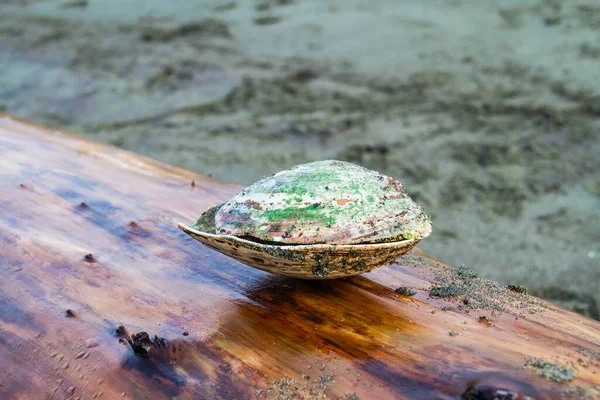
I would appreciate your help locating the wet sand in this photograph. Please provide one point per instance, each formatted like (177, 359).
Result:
(489, 113)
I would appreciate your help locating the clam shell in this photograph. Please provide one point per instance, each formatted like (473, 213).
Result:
(315, 261)
(322, 220)
(324, 202)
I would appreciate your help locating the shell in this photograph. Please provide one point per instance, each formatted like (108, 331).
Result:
(322, 220)
(331, 202)
(312, 261)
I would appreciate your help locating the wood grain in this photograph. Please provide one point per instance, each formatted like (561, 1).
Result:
(90, 254)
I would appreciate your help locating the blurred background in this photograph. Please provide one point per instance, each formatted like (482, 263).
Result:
(487, 111)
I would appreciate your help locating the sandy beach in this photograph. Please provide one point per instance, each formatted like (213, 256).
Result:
(487, 111)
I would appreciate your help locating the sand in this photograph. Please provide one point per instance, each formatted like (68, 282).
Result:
(487, 111)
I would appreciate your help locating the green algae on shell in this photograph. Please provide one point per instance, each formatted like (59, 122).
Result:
(330, 201)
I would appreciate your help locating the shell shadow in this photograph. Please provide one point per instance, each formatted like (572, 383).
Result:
(282, 319)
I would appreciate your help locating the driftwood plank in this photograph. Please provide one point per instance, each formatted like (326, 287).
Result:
(90, 254)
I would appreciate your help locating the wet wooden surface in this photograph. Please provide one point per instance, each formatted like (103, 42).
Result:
(92, 229)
